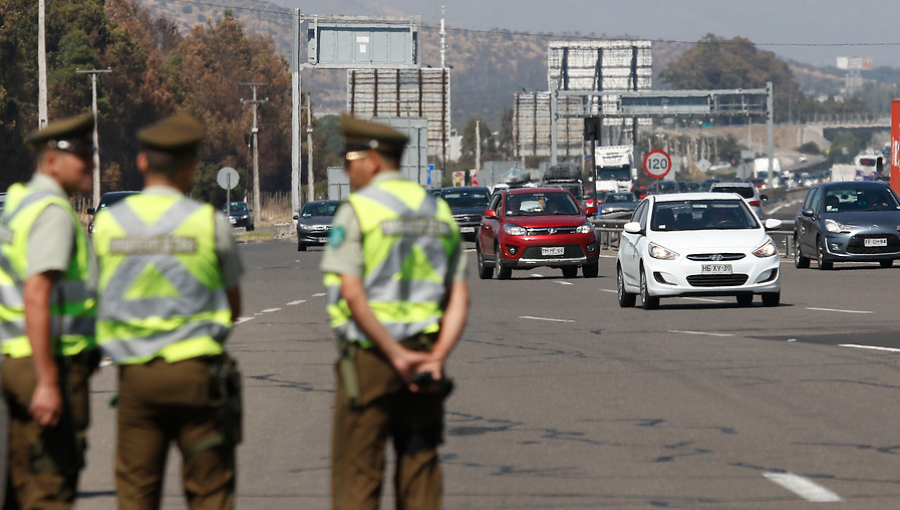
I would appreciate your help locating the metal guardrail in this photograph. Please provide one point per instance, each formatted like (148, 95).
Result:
(610, 229)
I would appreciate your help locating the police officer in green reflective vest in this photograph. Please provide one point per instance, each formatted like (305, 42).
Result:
(169, 294)
(398, 302)
(47, 313)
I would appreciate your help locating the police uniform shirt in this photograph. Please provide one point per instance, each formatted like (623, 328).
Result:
(51, 240)
(343, 253)
(226, 250)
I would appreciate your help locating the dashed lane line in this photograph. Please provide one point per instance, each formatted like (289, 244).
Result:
(870, 347)
(702, 333)
(297, 302)
(804, 487)
(838, 310)
(544, 319)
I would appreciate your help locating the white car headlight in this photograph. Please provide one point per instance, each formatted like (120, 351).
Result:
(658, 252)
(835, 227)
(304, 226)
(514, 230)
(766, 250)
(585, 228)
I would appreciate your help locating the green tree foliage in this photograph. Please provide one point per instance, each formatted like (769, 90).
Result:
(716, 63)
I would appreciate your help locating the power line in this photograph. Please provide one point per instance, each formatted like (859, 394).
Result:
(286, 13)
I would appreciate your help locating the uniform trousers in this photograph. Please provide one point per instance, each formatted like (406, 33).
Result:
(386, 408)
(160, 403)
(45, 462)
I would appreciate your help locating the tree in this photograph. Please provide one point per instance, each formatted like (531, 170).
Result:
(716, 63)
(488, 146)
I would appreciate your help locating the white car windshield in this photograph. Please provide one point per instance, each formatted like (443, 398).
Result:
(702, 215)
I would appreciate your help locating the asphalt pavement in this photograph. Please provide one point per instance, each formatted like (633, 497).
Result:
(565, 400)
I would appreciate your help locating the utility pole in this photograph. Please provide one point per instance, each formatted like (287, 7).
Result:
(93, 73)
(42, 67)
(254, 133)
(477, 145)
(295, 113)
(310, 192)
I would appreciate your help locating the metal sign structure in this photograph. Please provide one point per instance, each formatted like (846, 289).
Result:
(531, 125)
(404, 93)
(363, 41)
(345, 42)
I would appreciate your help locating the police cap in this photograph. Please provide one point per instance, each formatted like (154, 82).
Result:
(178, 133)
(72, 134)
(366, 135)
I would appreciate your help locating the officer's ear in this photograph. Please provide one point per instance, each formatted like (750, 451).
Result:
(142, 162)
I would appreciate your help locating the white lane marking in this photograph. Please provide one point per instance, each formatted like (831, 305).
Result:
(704, 333)
(608, 256)
(705, 300)
(270, 310)
(535, 275)
(565, 283)
(297, 302)
(544, 319)
(320, 294)
(804, 487)
(608, 290)
(470, 250)
(242, 320)
(871, 347)
(838, 310)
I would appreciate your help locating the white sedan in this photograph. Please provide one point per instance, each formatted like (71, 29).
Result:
(697, 244)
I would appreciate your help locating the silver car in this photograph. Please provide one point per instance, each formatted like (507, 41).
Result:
(854, 221)
(747, 191)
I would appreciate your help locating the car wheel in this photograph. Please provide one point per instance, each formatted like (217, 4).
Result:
(591, 269)
(503, 272)
(800, 262)
(771, 298)
(301, 247)
(886, 263)
(745, 299)
(485, 271)
(648, 302)
(626, 300)
(820, 256)
(570, 271)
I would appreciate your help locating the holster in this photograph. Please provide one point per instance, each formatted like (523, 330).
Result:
(224, 392)
(347, 367)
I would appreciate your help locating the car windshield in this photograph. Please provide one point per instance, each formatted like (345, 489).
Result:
(574, 189)
(461, 199)
(621, 198)
(702, 215)
(237, 207)
(541, 204)
(108, 200)
(319, 209)
(614, 174)
(744, 191)
(849, 199)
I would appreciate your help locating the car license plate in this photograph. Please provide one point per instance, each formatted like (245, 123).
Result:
(552, 250)
(716, 269)
(466, 230)
(878, 241)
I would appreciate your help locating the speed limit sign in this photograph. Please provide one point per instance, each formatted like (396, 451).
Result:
(657, 163)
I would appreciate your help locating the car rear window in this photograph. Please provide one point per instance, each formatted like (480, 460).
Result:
(744, 191)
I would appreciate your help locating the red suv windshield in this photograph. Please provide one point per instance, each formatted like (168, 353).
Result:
(541, 203)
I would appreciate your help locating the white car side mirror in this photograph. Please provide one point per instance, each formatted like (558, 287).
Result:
(632, 227)
(773, 224)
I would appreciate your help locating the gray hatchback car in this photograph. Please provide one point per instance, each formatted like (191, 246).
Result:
(855, 221)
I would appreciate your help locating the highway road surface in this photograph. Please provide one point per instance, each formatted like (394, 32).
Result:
(566, 401)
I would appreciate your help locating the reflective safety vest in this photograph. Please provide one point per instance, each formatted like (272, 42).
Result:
(161, 287)
(408, 241)
(73, 304)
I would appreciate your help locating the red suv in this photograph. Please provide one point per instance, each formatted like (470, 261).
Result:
(532, 227)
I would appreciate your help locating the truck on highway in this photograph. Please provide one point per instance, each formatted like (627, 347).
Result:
(566, 176)
(615, 168)
(761, 168)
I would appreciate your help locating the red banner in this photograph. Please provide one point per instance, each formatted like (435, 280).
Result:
(895, 145)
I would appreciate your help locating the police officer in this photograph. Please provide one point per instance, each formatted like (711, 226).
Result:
(398, 301)
(47, 313)
(169, 275)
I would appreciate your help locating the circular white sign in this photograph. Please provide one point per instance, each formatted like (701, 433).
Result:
(657, 164)
(228, 178)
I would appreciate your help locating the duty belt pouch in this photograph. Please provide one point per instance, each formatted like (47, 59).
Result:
(349, 376)
(224, 392)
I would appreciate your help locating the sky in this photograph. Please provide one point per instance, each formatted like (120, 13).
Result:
(815, 32)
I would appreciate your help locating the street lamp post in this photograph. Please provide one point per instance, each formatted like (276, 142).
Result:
(93, 73)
